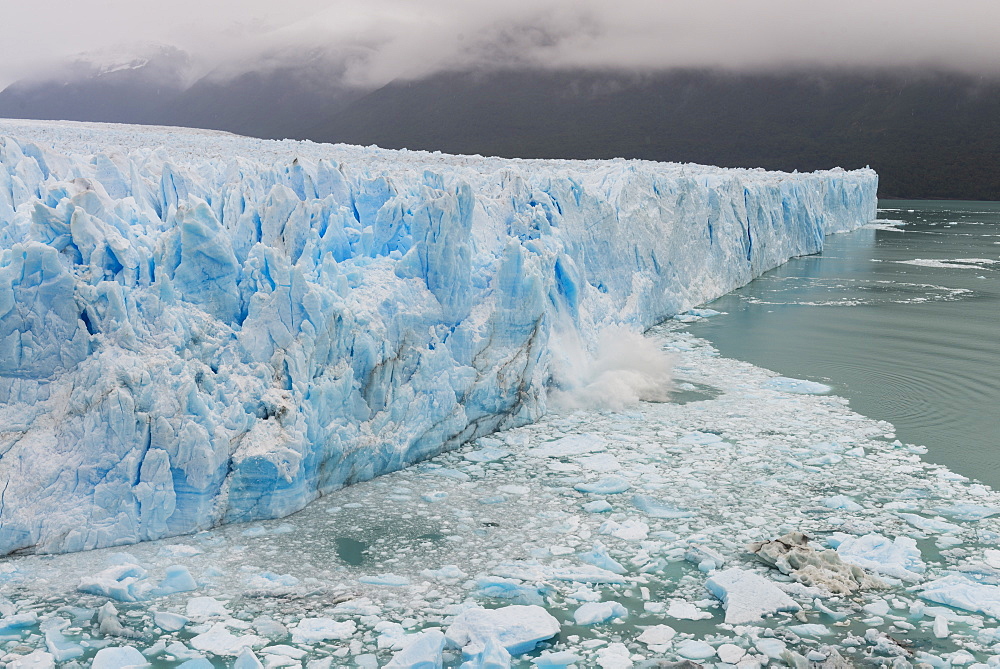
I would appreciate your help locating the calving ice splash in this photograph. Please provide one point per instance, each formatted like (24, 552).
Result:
(199, 328)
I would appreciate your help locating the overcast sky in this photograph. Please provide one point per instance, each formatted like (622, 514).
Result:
(411, 38)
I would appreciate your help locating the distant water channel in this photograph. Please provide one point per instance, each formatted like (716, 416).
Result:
(903, 319)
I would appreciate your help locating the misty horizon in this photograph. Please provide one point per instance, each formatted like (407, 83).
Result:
(393, 40)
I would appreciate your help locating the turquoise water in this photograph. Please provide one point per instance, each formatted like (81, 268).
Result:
(904, 321)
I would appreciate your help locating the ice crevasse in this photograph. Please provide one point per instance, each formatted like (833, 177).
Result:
(198, 328)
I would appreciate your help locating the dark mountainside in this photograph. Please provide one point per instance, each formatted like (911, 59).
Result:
(929, 135)
(274, 103)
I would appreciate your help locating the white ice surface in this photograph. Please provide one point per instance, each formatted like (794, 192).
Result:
(198, 328)
(746, 483)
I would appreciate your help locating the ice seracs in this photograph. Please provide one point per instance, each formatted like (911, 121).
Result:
(198, 328)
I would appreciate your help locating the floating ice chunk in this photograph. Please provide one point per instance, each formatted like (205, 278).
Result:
(564, 447)
(169, 622)
(119, 657)
(657, 635)
(559, 659)
(878, 607)
(700, 554)
(597, 506)
(608, 485)
(510, 589)
(390, 635)
(798, 386)
(109, 624)
(423, 651)
(486, 455)
(179, 551)
(220, 641)
(449, 473)
(514, 489)
(614, 656)
(599, 557)
(963, 593)
(693, 649)
(585, 575)
(314, 630)
(601, 462)
(391, 580)
(518, 628)
(841, 502)
(773, 648)
(493, 656)
(935, 525)
(748, 597)
(57, 644)
(685, 610)
(200, 608)
(435, 496)
(178, 579)
(593, 613)
(970, 512)
(828, 459)
(196, 663)
(630, 529)
(284, 650)
(268, 580)
(659, 509)
(122, 582)
(37, 659)
(730, 653)
(810, 629)
(700, 438)
(18, 621)
(899, 558)
(247, 660)
(449, 574)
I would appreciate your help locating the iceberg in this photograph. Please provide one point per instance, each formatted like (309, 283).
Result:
(198, 328)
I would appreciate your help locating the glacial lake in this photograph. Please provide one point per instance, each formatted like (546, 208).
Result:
(903, 319)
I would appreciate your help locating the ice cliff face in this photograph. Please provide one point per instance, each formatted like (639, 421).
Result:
(197, 328)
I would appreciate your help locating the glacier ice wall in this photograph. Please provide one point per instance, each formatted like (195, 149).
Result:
(198, 328)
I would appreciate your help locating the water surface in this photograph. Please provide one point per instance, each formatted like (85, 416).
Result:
(901, 319)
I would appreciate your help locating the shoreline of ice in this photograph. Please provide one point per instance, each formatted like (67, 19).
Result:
(200, 328)
(633, 573)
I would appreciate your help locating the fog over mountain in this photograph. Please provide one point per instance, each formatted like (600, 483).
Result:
(908, 87)
(405, 39)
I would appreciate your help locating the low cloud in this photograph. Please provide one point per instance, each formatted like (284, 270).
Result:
(382, 40)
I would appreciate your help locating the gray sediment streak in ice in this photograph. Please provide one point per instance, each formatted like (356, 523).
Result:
(792, 555)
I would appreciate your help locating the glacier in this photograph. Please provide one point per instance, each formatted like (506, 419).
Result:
(198, 328)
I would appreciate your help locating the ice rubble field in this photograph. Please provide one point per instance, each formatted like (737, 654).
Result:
(600, 539)
(198, 328)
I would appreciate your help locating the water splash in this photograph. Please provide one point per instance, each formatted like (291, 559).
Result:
(622, 369)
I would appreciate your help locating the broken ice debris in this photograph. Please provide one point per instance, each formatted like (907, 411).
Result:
(518, 628)
(422, 651)
(963, 593)
(899, 557)
(748, 597)
(797, 386)
(792, 555)
(593, 613)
